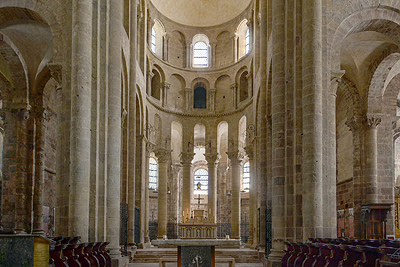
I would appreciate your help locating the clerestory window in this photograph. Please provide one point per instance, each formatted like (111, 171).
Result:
(153, 40)
(153, 173)
(200, 54)
(246, 176)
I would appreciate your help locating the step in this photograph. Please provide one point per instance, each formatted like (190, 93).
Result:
(152, 255)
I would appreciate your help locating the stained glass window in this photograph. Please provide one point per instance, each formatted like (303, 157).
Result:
(201, 181)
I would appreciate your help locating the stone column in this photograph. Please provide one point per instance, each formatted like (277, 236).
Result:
(330, 220)
(312, 118)
(234, 88)
(189, 98)
(149, 149)
(61, 216)
(21, 206)
(235, 47)
(263, 149)
(212, 53)
(211, 99)
(187, 183)
(188, 55)
(278, 93)
(164, 156)
(371, 159)
(39, 116)
(166, 38)
(149, 77)
(165, 88)
(212, 161)
(81, 80)
(132, 121)
(236, 160)
(253, 238)
(114, 130)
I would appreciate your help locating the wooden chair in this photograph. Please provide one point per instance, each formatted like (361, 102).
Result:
(380, 263)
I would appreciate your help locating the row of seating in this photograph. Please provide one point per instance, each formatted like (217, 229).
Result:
(71, 253)
(346, 253)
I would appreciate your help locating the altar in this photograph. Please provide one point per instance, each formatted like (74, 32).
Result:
(196, 247)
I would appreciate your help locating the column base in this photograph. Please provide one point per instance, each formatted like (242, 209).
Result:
(19, 231)
(254, 246)
(144, 245)
(38, 232)
(275, 258)
(120, 262)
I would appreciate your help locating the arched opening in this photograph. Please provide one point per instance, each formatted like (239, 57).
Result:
(200, 97)
(156, 85)
(200, 51)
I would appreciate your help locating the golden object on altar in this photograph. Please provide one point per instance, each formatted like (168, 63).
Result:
(198, 227)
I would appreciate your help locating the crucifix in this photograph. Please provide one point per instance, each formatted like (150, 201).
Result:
(198, 201)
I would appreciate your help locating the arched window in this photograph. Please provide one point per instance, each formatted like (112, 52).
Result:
(243, 41)
(200, 97)
(156, 38)
(246, 176)
(153, 173)
(200, 55)
(244, 86)
(247, 41)
(153, 40)
(201, 181)
(156, 85)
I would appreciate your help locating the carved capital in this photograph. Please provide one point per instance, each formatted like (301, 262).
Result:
(163, 155)
(149, 148)
(56, 73)
(371, 122)
(212, 158)
(186, 158)
(234, 86)
(250, 151)
(336, 76)
(235, 157)
(166, 85)
(353, 124)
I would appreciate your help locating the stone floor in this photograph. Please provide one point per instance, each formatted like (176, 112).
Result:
(217, 265)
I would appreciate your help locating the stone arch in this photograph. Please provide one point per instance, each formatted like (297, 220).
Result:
(177, 49)
(157, 41)
(243, 82)
(223, 49)
(380, 79)
(177, 93)
(223, 94)
(241, 31)
(157, 80)
(357, 22)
